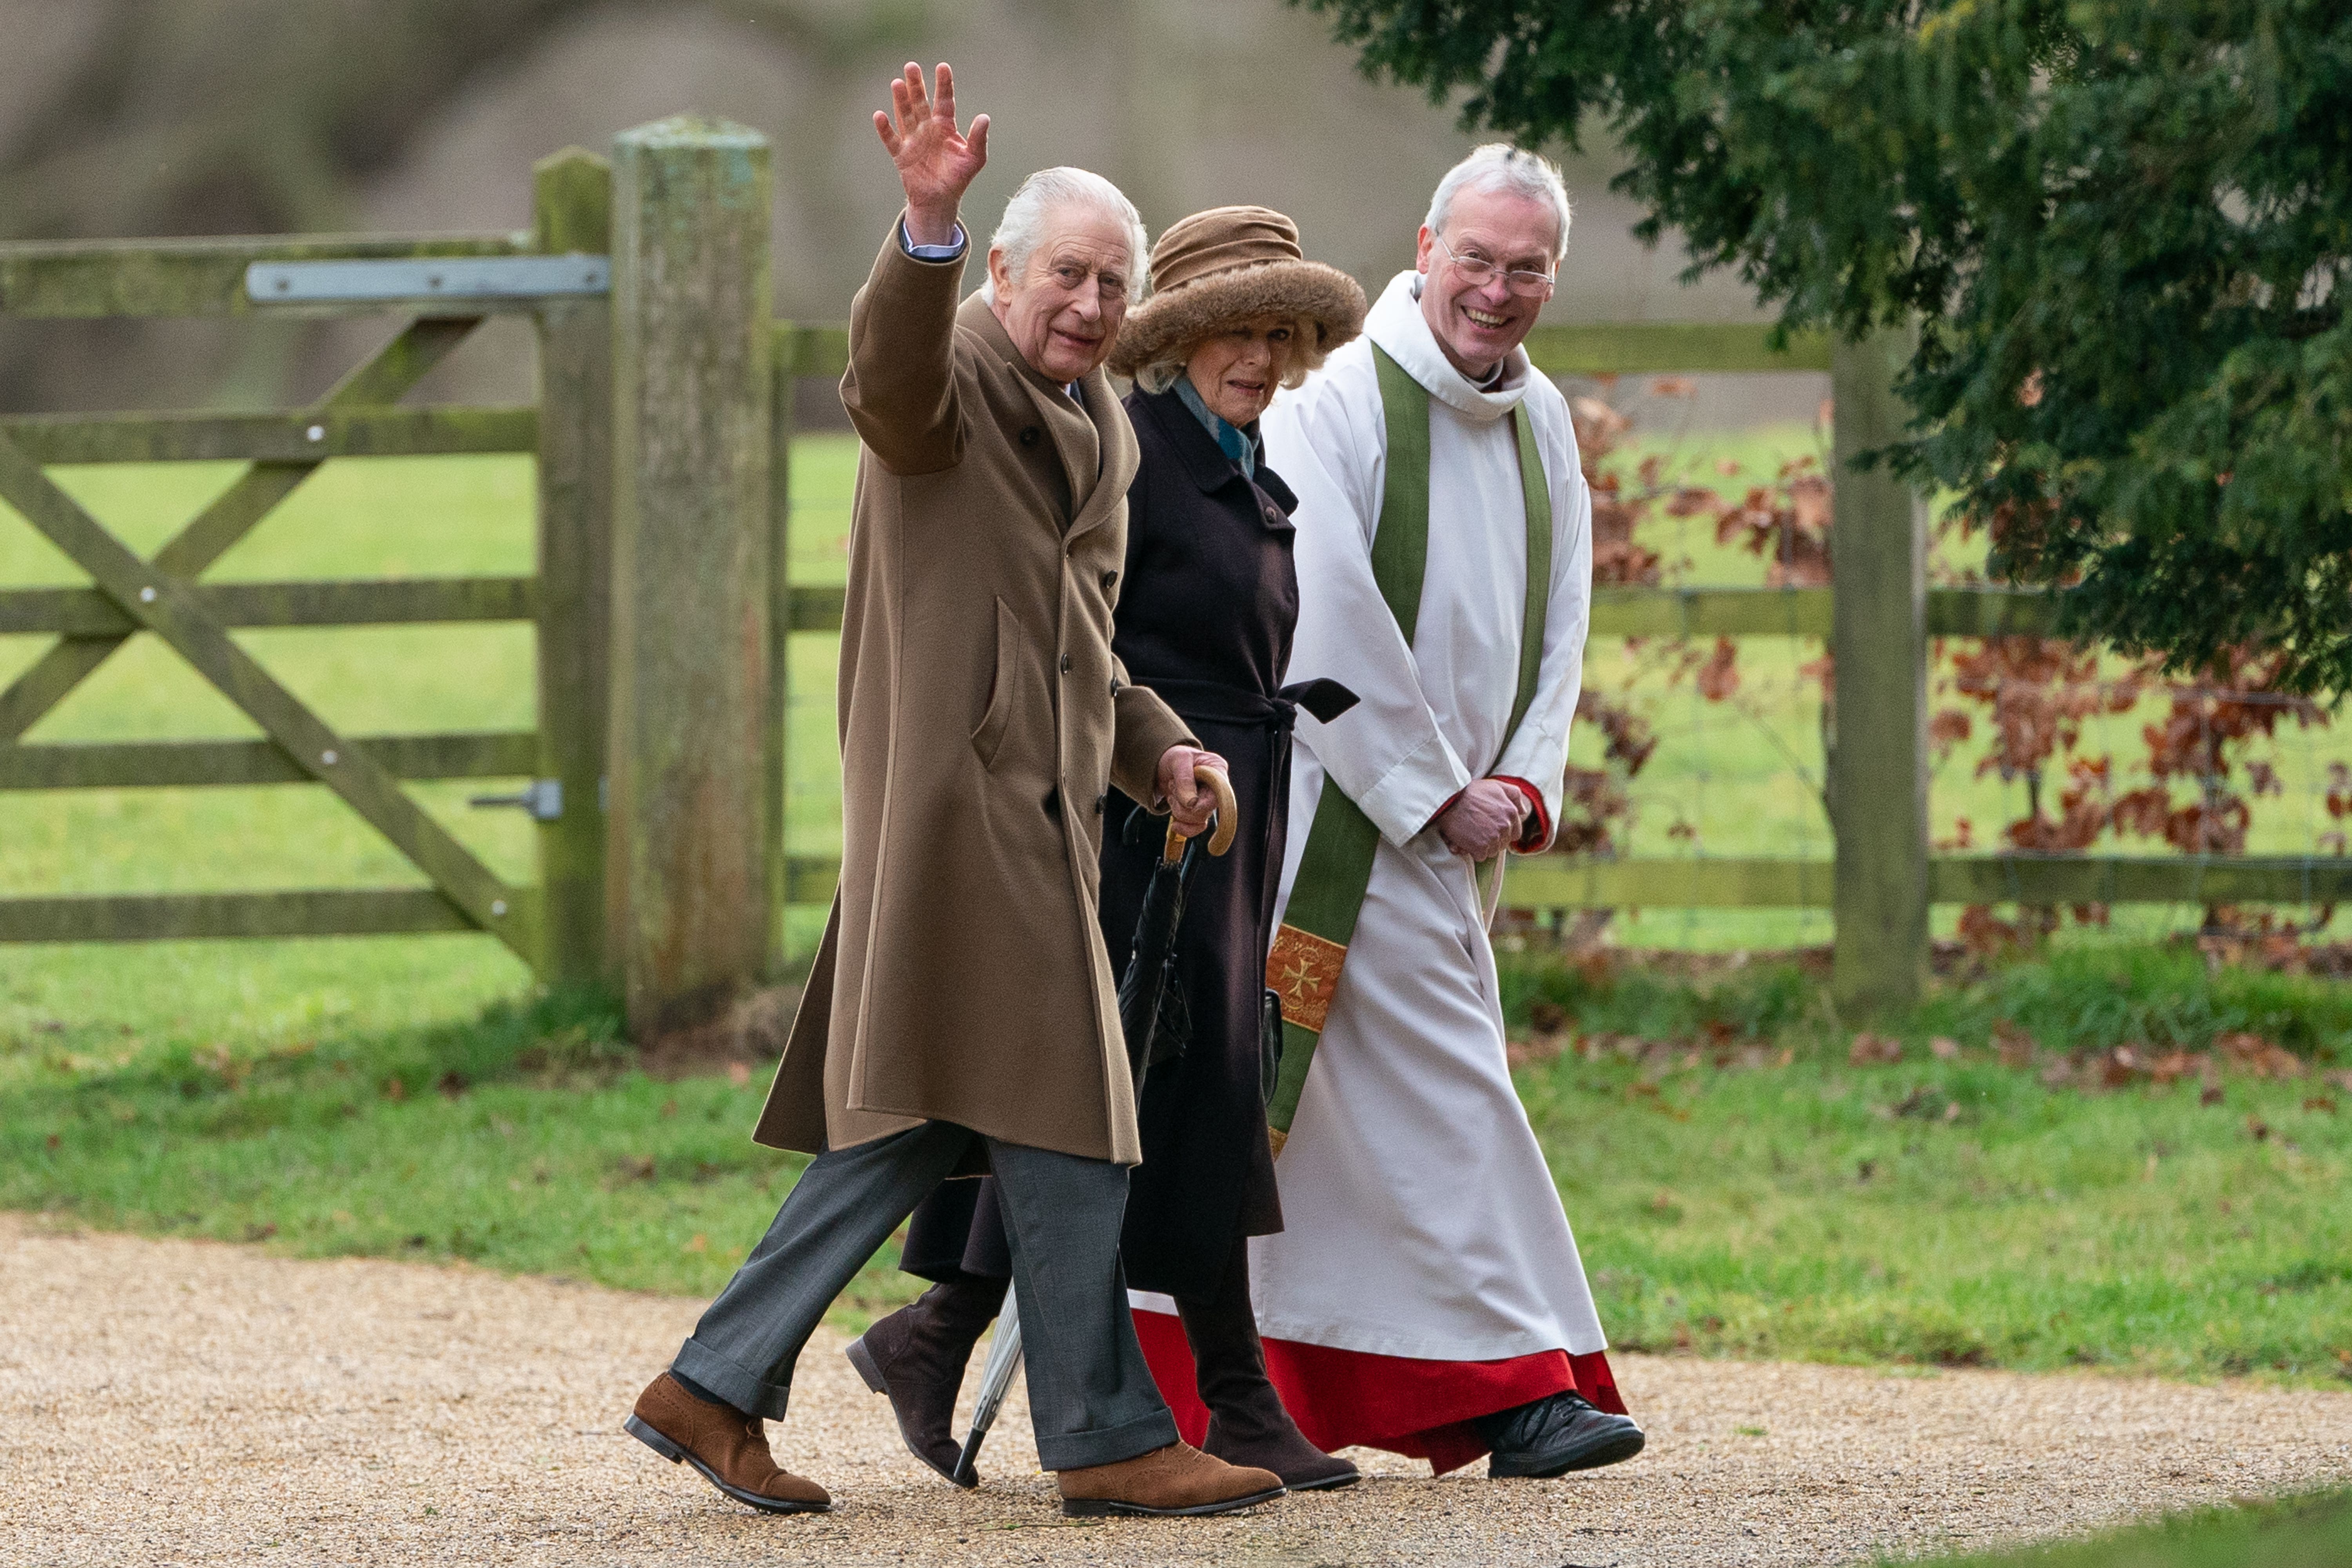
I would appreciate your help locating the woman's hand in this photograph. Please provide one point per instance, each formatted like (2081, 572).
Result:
(1485, 820)
(936, 161)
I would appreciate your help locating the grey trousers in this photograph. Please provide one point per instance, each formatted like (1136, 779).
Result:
(1091, 1398)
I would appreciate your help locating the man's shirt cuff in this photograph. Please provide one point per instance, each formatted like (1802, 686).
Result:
(947, 252)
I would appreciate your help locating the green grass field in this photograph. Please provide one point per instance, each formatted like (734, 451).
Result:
(413, 1097)
(2309, 1531)
(1952, 1209)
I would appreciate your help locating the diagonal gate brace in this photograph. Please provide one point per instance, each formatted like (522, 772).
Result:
(163, 605)
(390, 371)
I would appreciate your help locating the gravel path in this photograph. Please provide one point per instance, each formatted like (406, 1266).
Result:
(167, 1402)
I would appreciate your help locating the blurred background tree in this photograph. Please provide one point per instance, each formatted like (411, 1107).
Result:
(2124, 223)
(123, 118)
(126, 118)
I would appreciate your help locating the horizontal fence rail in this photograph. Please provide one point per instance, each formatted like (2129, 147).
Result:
(86, 279)
(1696, 612)
(822, 349)
(1560, 882)
(135, 764)
(87, 613)
(166, 917)
(291, 436)
(1565, 882)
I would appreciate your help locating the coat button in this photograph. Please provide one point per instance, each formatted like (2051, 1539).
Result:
(1110, 580)
(1054, 803)
(1066, 663)
(1031, 436)
(1102, 802)
(1114, 686)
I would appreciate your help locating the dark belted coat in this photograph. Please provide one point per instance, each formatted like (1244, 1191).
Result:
(985, 721)
(1211, 602)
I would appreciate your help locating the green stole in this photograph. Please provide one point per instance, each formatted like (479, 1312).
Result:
(1311, 947)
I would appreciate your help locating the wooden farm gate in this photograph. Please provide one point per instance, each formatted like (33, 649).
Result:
(632, 552)
(164, 596)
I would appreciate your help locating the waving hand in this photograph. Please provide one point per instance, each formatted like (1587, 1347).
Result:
(936, 161)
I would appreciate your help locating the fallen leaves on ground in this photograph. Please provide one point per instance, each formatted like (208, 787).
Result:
(1868, 1049)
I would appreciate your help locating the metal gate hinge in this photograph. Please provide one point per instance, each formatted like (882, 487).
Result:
(543, 798)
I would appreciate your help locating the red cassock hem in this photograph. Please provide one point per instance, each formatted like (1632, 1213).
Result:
(1341, 1399)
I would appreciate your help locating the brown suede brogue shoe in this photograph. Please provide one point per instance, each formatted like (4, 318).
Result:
(1176, 1480)
(728, 1447)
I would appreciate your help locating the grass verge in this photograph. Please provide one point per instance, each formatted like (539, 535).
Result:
(381, 1099)
(2046, 1167)
(1739, 1187)
(2310, 1531)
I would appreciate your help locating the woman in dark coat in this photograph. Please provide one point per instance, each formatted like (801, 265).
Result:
(1204, 618)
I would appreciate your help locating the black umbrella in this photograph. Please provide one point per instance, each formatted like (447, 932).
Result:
(1150, 1009)
(1151, 1014)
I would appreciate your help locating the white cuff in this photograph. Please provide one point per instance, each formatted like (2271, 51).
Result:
(947, 252)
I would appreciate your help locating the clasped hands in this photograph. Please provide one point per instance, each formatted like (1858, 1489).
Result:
(1484, 820)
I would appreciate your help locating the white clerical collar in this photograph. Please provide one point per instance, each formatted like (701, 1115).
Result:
(1397, 325)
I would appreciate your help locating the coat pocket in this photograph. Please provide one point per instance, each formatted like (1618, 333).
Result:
(1003, 689)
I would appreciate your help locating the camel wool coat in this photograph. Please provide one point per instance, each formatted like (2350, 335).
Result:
(983, 721)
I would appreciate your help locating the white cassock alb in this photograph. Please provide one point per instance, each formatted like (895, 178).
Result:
(1420, 1217)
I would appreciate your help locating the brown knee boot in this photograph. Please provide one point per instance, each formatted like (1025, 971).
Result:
(916, 1356)
(1247, 1424)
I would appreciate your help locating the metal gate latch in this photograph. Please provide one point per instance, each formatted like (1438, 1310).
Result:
(543, 798)
(369, 280)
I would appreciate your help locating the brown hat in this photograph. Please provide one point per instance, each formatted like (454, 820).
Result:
(1227, 265)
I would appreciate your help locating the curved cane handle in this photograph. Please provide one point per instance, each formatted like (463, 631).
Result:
(1227, 821)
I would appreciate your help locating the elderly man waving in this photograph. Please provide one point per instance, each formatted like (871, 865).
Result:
(962, 1010)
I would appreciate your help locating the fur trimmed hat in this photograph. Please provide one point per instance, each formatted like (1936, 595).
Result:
(1227, 265)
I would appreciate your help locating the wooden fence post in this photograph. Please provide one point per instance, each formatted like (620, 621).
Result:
(690, 713)
(777, 802)
(1878, 751)
(573, 213)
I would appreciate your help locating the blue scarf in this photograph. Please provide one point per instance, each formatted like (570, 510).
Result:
(1231, 439)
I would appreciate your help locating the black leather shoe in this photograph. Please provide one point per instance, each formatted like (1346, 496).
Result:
(1552, 1437)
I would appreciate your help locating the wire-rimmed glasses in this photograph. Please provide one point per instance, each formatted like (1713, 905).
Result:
(1476, 269)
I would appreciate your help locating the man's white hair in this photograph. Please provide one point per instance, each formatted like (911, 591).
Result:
(1499, 165)
(1023, 228)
